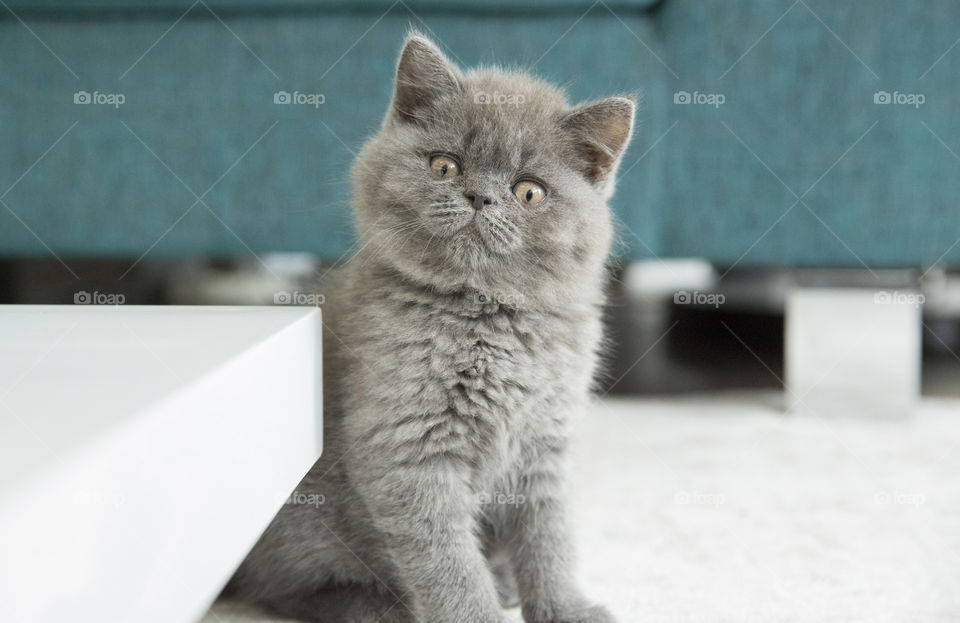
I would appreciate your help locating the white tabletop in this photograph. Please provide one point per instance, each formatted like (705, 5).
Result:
(143, 449)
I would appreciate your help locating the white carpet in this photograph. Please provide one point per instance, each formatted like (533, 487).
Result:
(720, 508)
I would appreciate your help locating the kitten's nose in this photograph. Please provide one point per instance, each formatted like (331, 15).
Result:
(478, 200)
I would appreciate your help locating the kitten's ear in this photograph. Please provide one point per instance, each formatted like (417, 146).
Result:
(423, 75)
(601, 131)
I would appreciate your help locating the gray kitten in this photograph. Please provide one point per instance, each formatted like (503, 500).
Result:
(461, 339)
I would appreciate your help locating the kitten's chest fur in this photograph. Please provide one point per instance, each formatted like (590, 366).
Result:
(494, 377)
(457, 377)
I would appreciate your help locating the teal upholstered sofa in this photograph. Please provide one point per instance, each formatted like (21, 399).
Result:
(797, 165)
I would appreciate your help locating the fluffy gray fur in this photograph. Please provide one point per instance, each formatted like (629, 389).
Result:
(460, 343)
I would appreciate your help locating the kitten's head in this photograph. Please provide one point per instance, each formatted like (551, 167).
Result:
(490, 180)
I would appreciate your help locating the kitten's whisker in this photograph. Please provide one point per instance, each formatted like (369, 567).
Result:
(427, 246)
(388, 237)
(393, 242)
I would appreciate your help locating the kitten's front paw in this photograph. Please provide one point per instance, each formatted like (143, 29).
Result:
(585, 613)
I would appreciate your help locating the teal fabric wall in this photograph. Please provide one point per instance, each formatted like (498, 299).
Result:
(199, 95)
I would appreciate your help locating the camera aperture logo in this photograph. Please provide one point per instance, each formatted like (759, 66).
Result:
(900, 99)
(700, 99)
(100, 99)
(499, 498)
(896, 297)
(311, 299)
(899, 498)
(505, 299)
(98, 298)
(682, 297)
(499, 99)
(301, 99)
(699, 498)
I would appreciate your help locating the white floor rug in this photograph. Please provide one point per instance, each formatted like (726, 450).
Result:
(722, 509)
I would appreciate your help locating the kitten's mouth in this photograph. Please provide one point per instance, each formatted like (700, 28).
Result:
(478, 233)
(488, 234)
(473, 241)
(483, 235)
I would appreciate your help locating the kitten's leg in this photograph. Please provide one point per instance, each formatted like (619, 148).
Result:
(504, 579)
(425, 513)
(498, 558)
(354, 603)
(542, 550)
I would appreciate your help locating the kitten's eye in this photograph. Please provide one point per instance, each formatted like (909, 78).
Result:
(529, 193)
(444, 167)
